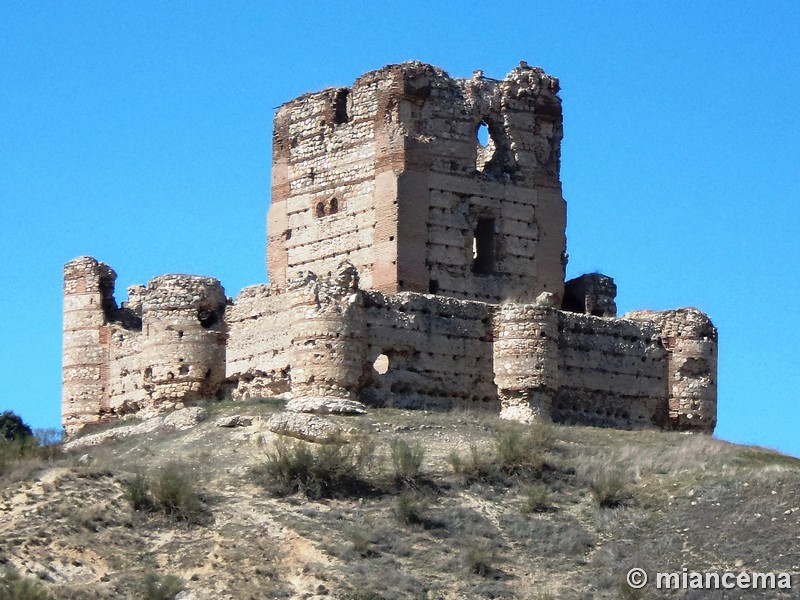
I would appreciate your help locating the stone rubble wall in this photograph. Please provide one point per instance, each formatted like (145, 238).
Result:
(439, 352)
(323, 340)
(526, 360)
(328, 338)
(258, 360)
(691, 341)
(451, 185)
(184, 338)
(613, 372)
(85, 346)
(166, 347)
(322, 207)
(126, 389)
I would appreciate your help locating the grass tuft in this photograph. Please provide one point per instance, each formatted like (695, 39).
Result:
(327, 470)
(406, 461)
(161, 587)
(479, 557)
(537, 499)
(170, 489)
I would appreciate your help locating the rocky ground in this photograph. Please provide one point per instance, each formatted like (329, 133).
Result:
(590, 505)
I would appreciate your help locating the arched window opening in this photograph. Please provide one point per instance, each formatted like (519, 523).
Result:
(320, 210)
(333, 206)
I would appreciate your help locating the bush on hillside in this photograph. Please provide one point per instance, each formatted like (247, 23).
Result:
(12, 427)
(15, 587)
(318, 471)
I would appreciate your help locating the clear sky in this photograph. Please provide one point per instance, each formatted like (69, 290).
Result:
(140, 133)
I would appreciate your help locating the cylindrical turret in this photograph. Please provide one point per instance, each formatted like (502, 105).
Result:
(526, 359)
(328, 343)
(690, 339)
(184, 344)
(88, 295)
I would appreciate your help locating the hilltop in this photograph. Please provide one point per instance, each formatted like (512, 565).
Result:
(494, 511)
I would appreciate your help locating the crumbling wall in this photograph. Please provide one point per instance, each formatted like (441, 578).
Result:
(184, 339)
(591, 294)
(495, 217)
(126, 389)
(328, 348)
(258, 361)
(85, 351)
(324, 182)
(612, 372)
(390, 175)
(165, 345)
(690, 340)
(436, 352)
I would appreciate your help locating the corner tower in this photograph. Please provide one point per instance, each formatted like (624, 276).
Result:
(425, 183)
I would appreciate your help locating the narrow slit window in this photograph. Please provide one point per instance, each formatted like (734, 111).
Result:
(483, 247)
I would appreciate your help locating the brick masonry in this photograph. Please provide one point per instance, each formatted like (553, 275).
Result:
(411, 263)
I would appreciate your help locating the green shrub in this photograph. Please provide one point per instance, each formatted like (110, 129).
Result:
(12, 427)
(323, 471)
(161, 587)
(15, 587)
(409, 508)
(479, 556)
(170, 489)
(173, 489)
(406, 461)
(610, 487)
(519, 448)
(517, 453)
(137, 492)
(361, 541)
(537, 499)
(474, 467)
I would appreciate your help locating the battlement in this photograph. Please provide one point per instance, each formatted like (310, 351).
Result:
(416, 251)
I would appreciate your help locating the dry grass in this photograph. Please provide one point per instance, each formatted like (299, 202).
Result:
(501, 512)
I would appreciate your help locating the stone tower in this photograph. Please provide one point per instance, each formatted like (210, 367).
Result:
(392, 175)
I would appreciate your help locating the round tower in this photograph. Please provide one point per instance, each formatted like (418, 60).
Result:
(328, 351)
(691, 339)
(88, 296)
(526, 358)
(184, 343)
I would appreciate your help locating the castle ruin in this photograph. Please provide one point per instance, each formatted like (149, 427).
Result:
(411, 264)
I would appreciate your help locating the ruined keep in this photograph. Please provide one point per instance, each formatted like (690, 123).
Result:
(410, 264)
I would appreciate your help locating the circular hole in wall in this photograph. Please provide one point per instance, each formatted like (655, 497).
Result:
(381, 364)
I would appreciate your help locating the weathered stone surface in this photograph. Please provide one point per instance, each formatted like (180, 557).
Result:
(410, 265)
(325, 406)
(310, 428)
(185, 418)
(234, 421)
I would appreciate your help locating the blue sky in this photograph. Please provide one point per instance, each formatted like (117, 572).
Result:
(139, 133)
